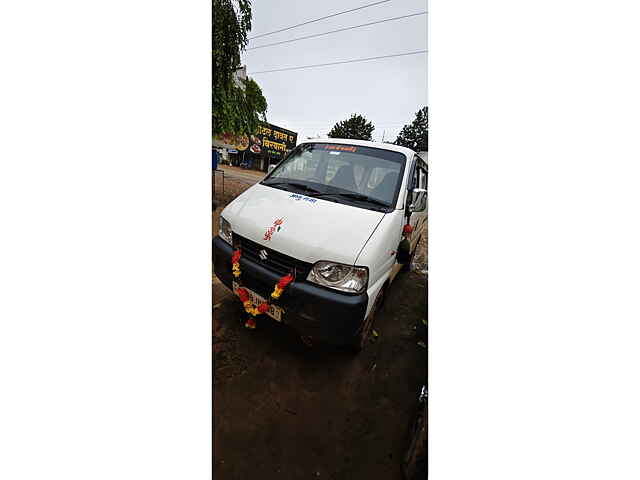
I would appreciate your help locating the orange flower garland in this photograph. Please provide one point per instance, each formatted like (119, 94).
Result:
(246, 301)
(235, 263)
(281, 285)
(243, 294)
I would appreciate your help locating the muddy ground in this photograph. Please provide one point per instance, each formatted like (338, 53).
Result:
(286, 411)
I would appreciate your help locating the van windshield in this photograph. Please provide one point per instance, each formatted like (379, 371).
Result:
(361, 176)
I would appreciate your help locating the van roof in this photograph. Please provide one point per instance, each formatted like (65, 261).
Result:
(363, 143)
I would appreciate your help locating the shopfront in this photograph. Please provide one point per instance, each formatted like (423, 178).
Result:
(268, 145)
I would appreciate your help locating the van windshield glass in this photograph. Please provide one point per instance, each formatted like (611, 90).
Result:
(363, 176)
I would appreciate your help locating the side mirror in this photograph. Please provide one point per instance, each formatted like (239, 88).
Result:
(422, 204)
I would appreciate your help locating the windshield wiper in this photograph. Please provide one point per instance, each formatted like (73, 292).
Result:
(293, 184)
(355, 196)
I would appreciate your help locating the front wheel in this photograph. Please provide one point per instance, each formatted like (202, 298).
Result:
(358, 342)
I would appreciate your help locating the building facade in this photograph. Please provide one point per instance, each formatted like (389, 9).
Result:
(267, 146)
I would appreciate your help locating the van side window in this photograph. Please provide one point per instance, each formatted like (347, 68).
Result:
(415, 181)
(423, 176)
(420, 179)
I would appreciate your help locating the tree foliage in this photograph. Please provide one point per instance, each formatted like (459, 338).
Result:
(355, 127)
(236, 110)
(416, 134)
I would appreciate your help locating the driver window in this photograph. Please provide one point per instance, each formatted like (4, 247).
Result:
(415, 183)
(420, 181)
(423, 178)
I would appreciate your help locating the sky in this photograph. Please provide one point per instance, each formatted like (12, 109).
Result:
(388, 92)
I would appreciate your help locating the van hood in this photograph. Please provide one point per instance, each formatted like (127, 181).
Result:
(309, 229)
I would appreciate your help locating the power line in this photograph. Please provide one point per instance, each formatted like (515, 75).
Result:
(338, 63)
(335, 31)
(318, 19)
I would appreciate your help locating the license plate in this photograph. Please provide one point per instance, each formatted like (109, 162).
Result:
(274, 312)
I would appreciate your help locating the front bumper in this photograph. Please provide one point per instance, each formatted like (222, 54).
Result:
(313, 311)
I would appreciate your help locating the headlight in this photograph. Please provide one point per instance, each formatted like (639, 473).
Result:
(225, 231)
(340, 277)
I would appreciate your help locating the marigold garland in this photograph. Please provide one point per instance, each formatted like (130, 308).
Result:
(246, 301)
(235, 263)
(281, 285)
(243, 294)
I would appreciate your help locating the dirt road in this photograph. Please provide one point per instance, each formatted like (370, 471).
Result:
(286, 411)
(242, 175)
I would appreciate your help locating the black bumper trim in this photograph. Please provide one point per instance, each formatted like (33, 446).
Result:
(313, 311)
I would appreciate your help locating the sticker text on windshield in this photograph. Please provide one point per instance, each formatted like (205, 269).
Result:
(342, 148)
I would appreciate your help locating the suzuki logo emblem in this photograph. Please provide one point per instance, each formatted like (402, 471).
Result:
(263, 255)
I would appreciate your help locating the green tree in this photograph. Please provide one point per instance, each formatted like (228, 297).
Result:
(355, 127)
(416, 134)
(238, 107)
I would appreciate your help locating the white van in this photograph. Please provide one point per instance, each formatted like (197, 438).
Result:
(332, 214)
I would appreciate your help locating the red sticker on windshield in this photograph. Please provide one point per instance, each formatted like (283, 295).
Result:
(342, 148)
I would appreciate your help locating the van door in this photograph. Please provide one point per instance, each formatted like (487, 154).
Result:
(418, 201)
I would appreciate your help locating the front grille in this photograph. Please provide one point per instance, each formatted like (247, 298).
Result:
(276, 261)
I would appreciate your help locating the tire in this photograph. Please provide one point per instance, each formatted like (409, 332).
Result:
(358, 342)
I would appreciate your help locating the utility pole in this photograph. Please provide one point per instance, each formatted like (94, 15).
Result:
(383, 135)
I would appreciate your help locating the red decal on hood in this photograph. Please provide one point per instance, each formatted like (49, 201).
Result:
(273, 228)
